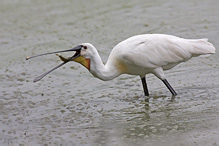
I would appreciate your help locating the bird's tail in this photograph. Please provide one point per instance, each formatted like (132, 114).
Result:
(202, 47)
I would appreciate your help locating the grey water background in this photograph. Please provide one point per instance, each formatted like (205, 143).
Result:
(71, 107)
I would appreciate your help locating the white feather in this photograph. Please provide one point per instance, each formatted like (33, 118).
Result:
(144, 53)
(148, 53)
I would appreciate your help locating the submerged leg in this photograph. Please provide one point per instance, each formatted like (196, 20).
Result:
(144, 83)
(169, 87)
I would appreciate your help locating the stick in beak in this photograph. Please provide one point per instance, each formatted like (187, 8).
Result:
(78, 48)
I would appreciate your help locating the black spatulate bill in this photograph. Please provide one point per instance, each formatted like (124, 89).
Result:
(77, 54)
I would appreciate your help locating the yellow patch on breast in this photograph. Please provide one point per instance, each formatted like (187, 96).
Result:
(121, 67)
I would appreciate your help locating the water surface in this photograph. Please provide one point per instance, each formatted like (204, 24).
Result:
(71, 107)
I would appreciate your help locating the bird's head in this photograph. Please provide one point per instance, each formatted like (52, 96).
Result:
(82, 55)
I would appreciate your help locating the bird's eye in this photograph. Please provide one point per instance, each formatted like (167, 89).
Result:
(85, 47)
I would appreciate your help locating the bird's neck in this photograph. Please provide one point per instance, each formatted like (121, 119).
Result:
(104, 72)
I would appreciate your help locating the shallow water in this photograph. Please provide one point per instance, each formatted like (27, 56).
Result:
(70, 107)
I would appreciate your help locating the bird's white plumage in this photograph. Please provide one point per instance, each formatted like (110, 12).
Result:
(148, 53)
(138, 55)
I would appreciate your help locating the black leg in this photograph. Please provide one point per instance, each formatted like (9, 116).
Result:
(169, 87)
(144, 83)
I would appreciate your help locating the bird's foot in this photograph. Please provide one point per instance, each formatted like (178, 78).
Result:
(146, 99)
(173, 97)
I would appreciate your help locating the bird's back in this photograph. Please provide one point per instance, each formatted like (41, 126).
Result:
(151, 51)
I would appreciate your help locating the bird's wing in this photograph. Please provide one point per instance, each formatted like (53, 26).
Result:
(153, 53)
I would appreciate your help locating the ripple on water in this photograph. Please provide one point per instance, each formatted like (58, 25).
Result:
(71, 107)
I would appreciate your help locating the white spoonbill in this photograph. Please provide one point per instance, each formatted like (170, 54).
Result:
(138, 55)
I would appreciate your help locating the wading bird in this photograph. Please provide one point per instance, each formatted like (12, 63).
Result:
(138, 55)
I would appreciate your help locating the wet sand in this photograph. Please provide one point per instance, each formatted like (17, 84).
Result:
(71, 107)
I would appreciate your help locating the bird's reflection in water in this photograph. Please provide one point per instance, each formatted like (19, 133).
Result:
(151, 118)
